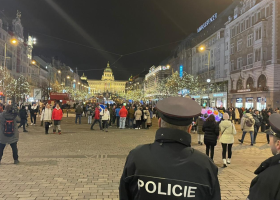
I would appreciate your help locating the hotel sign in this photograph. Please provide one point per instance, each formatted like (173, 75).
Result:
(210, 20)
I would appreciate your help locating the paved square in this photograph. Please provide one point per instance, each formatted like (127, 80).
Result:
(84, 164)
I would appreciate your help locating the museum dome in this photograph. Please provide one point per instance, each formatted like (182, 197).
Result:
(108, 69)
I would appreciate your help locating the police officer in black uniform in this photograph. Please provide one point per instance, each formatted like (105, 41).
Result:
(267, 184)
(169, 168)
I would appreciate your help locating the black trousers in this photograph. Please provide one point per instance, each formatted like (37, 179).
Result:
(105, 124)
(225, 148)
(138, 123)
(267, 138)
(210, 148)
(33, 118)
(256, 130)
(96, 120)
(22, 123)
(118, 121)
(14, 149)
(47, 126)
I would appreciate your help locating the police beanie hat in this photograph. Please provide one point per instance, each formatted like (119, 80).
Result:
(178, 111)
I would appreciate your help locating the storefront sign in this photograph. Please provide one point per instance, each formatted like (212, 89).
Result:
(238, 100)
(210, 20)
(261, 100)
(249, 99)
(205, 97)
(195, 97)
(218, 95)
(245, 90)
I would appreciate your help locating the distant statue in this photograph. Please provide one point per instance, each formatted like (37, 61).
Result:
(18, 14)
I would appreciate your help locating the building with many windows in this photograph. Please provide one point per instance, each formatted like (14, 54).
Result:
(107, 84)
(253, 54)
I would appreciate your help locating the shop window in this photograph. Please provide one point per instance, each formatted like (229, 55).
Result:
(262, 81)
(239, 84)
(249, 83)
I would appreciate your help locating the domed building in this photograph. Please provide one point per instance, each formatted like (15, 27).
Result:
(107, 84)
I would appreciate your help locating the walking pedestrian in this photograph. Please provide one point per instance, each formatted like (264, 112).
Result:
(89, 114)
(23, 118)
(131, 113)
(266, 184)
(227, 138)
(33, 114)
(211, 133)
(138, 115)
(258, 122)
(247, 125)
(96, 118)
(106, 118)
(169, 168)
(123, 114)
(9, 131)
(200, 133)
(267, 125)
(57, 116)
(79, 111)
(46, 117)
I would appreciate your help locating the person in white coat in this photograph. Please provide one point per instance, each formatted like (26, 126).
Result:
(227, 138)
(46, 116)
(105, 118)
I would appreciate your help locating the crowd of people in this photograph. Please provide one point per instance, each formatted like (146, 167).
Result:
(210, 131)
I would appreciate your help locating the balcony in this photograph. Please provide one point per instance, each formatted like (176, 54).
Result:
(265, 88)
(248, 67)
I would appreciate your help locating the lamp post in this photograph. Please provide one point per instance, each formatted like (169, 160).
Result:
(13, 41)
(208, 81)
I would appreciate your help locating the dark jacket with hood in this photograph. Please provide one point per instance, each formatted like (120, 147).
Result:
(169, 169)
(267, 184)
(23, 114)
(8, 116)
(211, 133)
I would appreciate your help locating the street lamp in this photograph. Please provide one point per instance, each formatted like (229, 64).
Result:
(13, 41)
(208, 81)
(33, 62)
(59, 71)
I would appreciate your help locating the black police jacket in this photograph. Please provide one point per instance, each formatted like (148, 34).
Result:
(169, 169)
(266, 186)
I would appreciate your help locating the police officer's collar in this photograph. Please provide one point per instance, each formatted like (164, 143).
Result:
(274, 160)
(173, 135)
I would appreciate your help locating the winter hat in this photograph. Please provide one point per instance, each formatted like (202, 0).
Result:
(225, 116)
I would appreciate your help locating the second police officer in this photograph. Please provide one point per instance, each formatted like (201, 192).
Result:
(170, 168)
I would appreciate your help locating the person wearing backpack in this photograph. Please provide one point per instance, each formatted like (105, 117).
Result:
(258, 122)
(227, 137)
(9, 131)
(247, 125)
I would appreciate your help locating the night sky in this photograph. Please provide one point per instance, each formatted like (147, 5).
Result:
(72, 30)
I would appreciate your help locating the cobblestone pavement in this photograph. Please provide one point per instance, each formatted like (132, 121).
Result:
(84, 164)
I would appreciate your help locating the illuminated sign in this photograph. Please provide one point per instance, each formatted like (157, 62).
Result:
(210, 20)
(181, 71)
(245, 90)
(218, 95)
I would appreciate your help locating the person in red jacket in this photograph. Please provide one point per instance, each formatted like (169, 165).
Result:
(123, 113)
(96, 118)
(57, 116)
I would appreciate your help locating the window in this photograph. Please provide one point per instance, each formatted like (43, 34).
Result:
(237, 28)
(226, 59)
(258, 33)
(239, 45)
(252, 20)
(239, 63)
(232, 32)
(226, 45)
(232, 65)
(242, 27)
(232, 48)
(262, 81)
(239, 84)
(250, 59)
(212, 54)
(267, 11)
(249, 83)
(258, 55)
(250, 40)
(247, 25)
